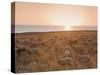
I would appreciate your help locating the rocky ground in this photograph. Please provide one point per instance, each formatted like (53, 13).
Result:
(50, 51)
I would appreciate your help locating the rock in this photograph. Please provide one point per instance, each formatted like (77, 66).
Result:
(67, 53)
(83, 59)
(23, 56)
(65, 61)
(34, 50)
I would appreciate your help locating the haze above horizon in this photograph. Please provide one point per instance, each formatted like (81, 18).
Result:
(53, 14)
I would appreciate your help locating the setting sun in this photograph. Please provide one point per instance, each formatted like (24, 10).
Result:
(68, 28)
(69, 20)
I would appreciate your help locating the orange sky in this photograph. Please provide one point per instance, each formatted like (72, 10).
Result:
(54, 14)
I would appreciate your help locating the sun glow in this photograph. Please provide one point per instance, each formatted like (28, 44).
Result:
(69, 20)
(68, 28)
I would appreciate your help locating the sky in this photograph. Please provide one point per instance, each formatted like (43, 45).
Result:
(54, 14)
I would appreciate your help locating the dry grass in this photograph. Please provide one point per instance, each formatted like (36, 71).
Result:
(50, 51)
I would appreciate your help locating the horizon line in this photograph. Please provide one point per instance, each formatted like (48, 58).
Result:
(53, 25)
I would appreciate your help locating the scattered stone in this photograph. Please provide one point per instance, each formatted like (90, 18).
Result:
(83, 59)
(23, 56)
(65, 61)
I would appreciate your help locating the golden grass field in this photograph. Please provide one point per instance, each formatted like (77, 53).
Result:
(53, 51)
